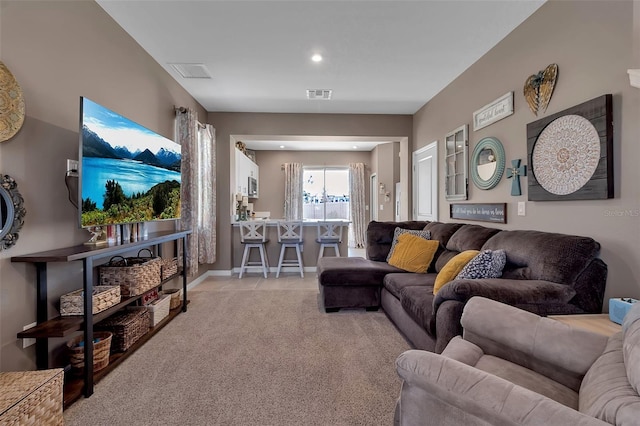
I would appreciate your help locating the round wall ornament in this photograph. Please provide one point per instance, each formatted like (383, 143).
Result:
(13, 212)
(11, 104)
(487, 163)
(566, 154)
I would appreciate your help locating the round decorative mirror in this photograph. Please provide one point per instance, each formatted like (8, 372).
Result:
(487, 163)
(12, 212)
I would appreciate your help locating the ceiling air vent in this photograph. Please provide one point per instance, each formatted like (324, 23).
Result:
(319, 94)
(192, 70)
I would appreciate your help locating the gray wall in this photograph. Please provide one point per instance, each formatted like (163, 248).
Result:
(228, 124)
(59, 51)
(272, 177)
(592, 44)
(386, 164)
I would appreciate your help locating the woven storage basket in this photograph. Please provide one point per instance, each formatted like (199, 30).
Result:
(169, 267)
(104, 297)
(134, 275)
(31, 398)
(127, 327)
(176, 297)
(101, 350)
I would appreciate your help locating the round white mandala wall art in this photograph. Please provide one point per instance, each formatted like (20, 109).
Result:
(566, 154)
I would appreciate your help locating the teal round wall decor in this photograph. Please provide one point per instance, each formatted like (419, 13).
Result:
(487, 163)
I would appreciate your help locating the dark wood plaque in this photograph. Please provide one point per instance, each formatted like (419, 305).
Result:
(493, 212)
(567, 169)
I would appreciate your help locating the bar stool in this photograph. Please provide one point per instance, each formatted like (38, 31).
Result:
(253, 234)
(329, 235)
(290, 236)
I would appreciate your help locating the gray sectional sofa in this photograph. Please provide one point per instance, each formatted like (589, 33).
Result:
(545, 273)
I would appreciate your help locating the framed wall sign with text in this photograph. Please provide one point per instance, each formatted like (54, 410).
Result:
(493, 212)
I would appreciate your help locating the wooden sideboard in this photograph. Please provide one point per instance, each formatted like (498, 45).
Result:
(66, 326)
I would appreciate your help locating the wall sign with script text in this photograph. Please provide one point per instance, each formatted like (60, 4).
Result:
(495, 212)
(494, 111)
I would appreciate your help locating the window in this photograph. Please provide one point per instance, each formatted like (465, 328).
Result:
(456, 145)
(325, 193)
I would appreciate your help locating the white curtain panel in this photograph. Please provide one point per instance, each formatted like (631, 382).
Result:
(198, 189)
(206, 194)
(357, 204)
(293, 191)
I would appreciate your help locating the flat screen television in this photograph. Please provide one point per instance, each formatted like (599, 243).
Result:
(128, 173)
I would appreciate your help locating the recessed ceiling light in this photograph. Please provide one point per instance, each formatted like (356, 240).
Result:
(355, 147)
(316, 58)
(281, 146)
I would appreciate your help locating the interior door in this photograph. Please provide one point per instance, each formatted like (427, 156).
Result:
(398, 205)
(425, 183)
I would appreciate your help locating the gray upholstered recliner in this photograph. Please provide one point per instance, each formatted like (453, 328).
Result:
(512, 367)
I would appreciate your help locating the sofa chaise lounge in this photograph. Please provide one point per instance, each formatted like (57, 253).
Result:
(545, 273)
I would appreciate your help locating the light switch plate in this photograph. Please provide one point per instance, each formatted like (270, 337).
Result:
(72, 167)
(521, 208)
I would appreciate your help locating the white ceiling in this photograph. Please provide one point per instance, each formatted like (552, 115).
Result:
(380, 57)
(312, 143)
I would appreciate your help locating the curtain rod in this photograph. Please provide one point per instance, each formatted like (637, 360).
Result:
(183, 110)
(325, 167)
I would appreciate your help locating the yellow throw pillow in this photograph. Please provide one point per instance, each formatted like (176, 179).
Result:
(413, 253)
(453, 268)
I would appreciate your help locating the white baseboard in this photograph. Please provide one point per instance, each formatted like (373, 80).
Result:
(201, 278)
(197, 281)
(228, 273)
(219, 273)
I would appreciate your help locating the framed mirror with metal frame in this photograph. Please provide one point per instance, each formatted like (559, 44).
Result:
(12, 212)
(456, 163)
(487, 163)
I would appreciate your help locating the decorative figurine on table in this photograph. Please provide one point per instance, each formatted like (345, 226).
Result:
(98, 236)
(515, 171)
(242, 202)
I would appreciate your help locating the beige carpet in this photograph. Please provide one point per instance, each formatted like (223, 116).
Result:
(251, 354)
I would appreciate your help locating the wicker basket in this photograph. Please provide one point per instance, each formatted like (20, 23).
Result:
(31, 397)
(127, 327)
(101, 350)
(176, 297)
(134, 275)
(169, 267)
(104, 297)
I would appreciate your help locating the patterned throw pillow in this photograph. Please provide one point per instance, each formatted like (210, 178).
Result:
(413, 253)
(399, 231)
(453, 268)
(487, 264)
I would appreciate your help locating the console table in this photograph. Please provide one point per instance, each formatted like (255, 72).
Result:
(65, 326)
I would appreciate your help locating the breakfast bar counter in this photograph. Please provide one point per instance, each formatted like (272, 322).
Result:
(310, 248)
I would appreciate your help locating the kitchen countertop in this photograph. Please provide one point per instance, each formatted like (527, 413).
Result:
(306, 222)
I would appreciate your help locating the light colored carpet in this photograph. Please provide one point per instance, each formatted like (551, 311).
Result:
(254, 356)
